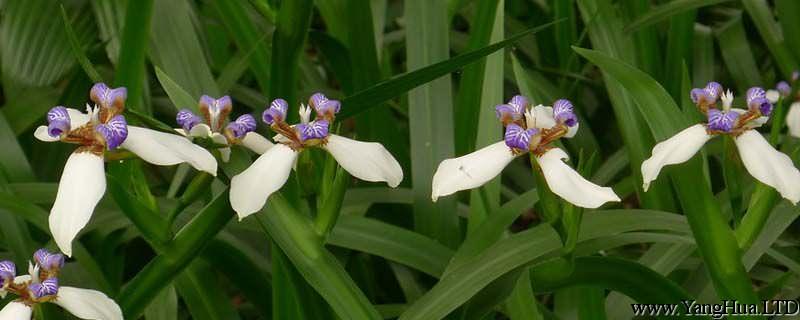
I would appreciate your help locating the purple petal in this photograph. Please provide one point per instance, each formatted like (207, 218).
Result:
(507, 112)
(114, 131)
(244, 124)
(763, 105)
(48, 260)
(784, 88)
(58, 121)
(312, 130)
(7, 271)
(564, 113)
(755, 92)
(107, 97)
(187, 120)
(701, 97)
(520, 103)
(276, 111)
(518, 138)
(714, 90)
(48, 287)
(215, 105)
(324, 106)
(721, 121)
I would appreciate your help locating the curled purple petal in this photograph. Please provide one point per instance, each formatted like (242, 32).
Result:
(763, 105)
(755, 92)
(721, 121)
(784, 88)
(563, 112)
(7, 272)
(48, 287)
(518, 138)
(520, 103)
(115, 131)
(48, 260)
(276, 111)
(58, 121)
(215, 106)
(714, 90)
(701, 97)
(507, 112)
(187, 120)
(313, 130)
(243, 124)
(107, 97)
(324, 106)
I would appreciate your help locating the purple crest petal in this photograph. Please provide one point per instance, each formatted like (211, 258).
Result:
(114, 131)
(507, 111)
(276, 111)
(216, 105)
(48, 260)
(721, 121)
(313, 130)
(784, 88)
(243, 124)
(764, 106)
(58, 121)
(714, 90)
(7, 271)
(520, 103)
(755, 92)
(107, 97)
(518, 138)
(324, 106)
(187, 120)
(48, 287)
(563, 112)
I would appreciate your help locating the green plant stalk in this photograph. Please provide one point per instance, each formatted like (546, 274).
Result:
(297, 238)
(196, 188)
(175, 256)
(779, 115)
(762, 201)
(131, 68)
(732, 173)
(294, 18)
(548, 201)
(328, 211)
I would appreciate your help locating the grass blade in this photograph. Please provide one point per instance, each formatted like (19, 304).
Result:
(667, 10)
(133, 46)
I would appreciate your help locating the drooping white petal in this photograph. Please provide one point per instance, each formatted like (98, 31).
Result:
(218, 138)
(793, 120)
(679, 148)
(569, 184)
(773, 95)
(88, 304)
(168, 149)
(768, 165)
(200, 130)
(82, 185)
(256, 142)
(471, 170)
(251, 188)
(15, 310)
(368, 161)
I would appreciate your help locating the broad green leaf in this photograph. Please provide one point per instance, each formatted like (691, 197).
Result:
(130, 71)
(762, 15)
(246, 34)
(179, 97)
(703, 59)
(202, 294)
(789, 25)
(77, 48)
(737, 54)
(110, 16)
(247, 275)
(291, 28)
(165, 306)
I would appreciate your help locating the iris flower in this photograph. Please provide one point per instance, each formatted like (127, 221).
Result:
(100, 130)
(212, 125)
(368, 161)
(793, 116)
(527, 130)
(766, 164)
(41, 285)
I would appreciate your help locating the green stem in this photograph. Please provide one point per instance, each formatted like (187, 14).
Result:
(197, 187)
(548, 201)
(329, 210)
(777, 122)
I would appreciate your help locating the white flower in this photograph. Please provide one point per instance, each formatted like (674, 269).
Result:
(102, 129)
(793, 119)
(764, 163)
(368, 161)
(542, 126)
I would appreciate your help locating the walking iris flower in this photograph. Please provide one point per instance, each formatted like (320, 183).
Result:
(526, 130)
(793, 116)
(367, 161)
(212, 126)
(766, 164)
(41, 285)
(100, 130)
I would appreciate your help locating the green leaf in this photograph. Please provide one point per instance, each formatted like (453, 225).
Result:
(179, 97)
(13, 162)
(77, 48)
(164, 307)
(294, 19)
(247, 37)
(133, 46)
(667, 10)
(789, 25)
(202, 294)
(761, 13)
(737, 54)
(247, 275)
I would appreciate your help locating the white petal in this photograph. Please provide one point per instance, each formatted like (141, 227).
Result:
(251, 188)
(88, 304)
(679, 148)
(542, 117)
(168, 149)
(82, 185)
(180, 131)
(201, 130)
(768, 165)
(77, 118)
(256, 142)
(42, 134)
(368, 161)
(471, 170)
(793, 120)
(773, 95)
(218, 138)
(571, 131)
(569, 184)
(16, 311)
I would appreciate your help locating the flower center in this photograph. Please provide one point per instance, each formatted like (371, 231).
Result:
(306, 133)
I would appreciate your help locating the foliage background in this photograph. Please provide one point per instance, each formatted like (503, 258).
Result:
(165, 245)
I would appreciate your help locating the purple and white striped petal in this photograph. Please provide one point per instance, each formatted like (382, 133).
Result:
(7, 272)
(115, 131)
(243, 124)
(564, 113)
(187, 119)
(518, 138)
(48, 260)
(312, 130)
(507, 113)
(784, 88)
(721, 121)
(276, 111)
(520, 103)
(58, 121)
(714, 90)
(106, 97)
(706, 96)
(324, 106)
(215, 106)
(757, 100)
(46, 288)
